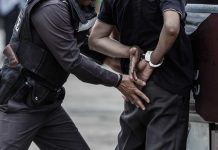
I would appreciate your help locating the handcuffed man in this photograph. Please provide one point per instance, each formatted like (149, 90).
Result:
(157, 28)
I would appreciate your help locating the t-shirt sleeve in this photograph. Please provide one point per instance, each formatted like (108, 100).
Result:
(174, 5)
(106, 12)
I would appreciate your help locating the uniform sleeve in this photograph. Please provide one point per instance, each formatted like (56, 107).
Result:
(106, 12)
(175, 5)
(53, 24)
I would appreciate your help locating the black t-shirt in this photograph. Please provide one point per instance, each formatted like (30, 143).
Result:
(139, 22)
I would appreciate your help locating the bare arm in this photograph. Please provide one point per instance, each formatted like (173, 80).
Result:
(168, 35)
(100, 41)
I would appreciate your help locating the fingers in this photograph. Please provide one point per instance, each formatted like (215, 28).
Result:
(124, 98)
(137, 98)
(137, 79)
(130, 91)
(135, 76)
(141, 65)
(142, 96)
(132, 66)
(134, 58)
(147, 73)
(139, 82)
(138, 102)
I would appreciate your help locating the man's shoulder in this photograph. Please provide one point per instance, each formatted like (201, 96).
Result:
(49, 6)
(53, 11)
(53, 2)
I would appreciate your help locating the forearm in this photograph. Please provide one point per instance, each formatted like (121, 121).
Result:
(167, 37)
(100, 41)
(89, 72)
(110, 47)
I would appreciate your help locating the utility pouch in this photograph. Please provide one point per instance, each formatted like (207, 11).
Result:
(37, 94)
(42, 95)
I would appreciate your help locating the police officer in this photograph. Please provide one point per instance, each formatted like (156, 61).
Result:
(43, 51)
(157, 27)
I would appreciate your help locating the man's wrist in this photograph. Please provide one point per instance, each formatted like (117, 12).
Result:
(154, 63)
(156, 58)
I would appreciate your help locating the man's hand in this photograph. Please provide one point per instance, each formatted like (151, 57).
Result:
(144, 70)
(132, 93)
(135, 54)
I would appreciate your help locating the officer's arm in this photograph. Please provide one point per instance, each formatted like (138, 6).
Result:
(100, 41)
(53, 24)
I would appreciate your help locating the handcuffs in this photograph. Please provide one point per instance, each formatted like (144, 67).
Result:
(147, 57)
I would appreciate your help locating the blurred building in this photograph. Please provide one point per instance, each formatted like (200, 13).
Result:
(9, 10)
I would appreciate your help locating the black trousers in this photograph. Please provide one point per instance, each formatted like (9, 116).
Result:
(24, 119)
(162, 126)
(48, 125)
(50, 130)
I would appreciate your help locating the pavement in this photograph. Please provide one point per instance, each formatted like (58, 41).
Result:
(95, 110)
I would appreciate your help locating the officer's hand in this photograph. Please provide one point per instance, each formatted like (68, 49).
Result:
(132, 93)
(135, 54)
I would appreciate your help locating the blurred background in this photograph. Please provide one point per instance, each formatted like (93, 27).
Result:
(94, 109)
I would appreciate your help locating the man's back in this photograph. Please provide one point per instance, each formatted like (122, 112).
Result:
(140, 22)
(158, 28)
(132, 18)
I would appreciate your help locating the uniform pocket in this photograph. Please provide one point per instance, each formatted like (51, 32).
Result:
(40, 94)
(37, 94)
(22, 92)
